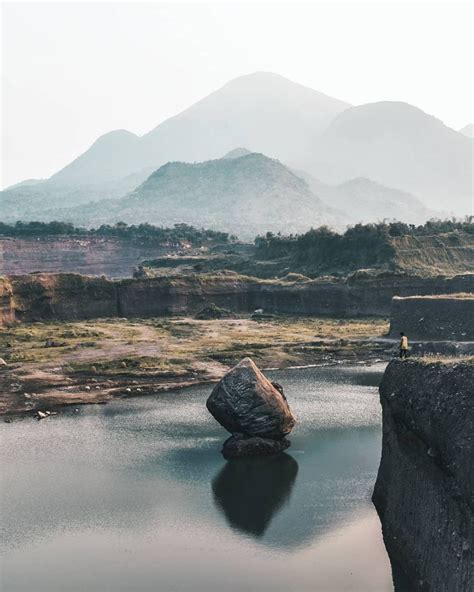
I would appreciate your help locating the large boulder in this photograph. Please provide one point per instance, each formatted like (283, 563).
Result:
(246, 402)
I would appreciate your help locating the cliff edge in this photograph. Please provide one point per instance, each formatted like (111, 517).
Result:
(424, 492)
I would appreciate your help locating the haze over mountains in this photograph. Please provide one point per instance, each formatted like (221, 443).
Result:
(387, 160)
(242, 193)
(263, 112)
(398, 145)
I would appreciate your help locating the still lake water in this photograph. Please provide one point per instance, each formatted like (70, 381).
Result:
(135, 496)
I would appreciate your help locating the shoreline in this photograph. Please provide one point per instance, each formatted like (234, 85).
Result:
(56, 404)
(50, 366)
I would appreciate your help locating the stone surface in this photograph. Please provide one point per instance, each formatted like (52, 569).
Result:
(424, 492)
(238, 446)
(44, 296)
(246, 402)
(441, 318)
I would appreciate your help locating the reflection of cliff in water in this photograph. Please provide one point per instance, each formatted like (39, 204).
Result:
(250, 491)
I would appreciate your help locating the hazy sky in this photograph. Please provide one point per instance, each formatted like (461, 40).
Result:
(73, 71)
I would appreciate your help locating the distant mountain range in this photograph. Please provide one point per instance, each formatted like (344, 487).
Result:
(381, 160)
(243, 195)
(400, 146)
(362, 200)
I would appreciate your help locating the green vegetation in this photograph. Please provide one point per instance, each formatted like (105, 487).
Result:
(367, 246)
(145, 233)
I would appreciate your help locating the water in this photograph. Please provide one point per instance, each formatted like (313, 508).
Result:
(135, 496)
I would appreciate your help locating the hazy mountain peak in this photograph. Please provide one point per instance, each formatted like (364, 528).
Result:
(237, 153)
(376, 119)
(246, 195)
(468, 130)
(398, 145)
(119, 135)
(263, 111)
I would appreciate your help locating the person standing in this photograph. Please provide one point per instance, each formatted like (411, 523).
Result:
(403, 346)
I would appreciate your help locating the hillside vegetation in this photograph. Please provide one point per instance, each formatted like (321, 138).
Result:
(243, 196)
(437, 247)
(179, 234)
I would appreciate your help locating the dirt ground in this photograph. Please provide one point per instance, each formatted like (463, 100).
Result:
(49, 365)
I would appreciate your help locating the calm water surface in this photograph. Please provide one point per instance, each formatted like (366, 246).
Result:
(135, 496)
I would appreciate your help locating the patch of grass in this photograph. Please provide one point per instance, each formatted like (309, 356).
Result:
(144, 365)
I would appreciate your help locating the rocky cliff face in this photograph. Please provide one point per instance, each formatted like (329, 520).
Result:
(444, 317)
(424, 492)
(71, 296)
(7, 313)
(87, 255)
(65, 296)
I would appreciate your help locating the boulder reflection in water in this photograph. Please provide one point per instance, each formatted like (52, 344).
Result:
(250, 491)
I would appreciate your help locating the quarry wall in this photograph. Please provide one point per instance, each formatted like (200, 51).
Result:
(43, 296)
(87, 255)
(424, 492)
(445, 317)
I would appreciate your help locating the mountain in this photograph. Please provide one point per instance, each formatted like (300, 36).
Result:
(400, 146)
(390, 143)
(468, 130)
(263, 111)
(237, 153)
(245, 196)
(363, 200)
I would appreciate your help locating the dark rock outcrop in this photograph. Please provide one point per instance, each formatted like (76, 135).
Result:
(239, 445)
(424, 492)
(440, 317)
(212, 312)
(245, 402)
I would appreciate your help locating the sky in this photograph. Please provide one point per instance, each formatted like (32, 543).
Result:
(72, 71)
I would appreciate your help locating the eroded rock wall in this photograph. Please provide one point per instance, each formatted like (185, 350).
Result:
(40, 297)
(87, 255)
(71, 296)
(7, 312)
(448, 317)
(424, 492)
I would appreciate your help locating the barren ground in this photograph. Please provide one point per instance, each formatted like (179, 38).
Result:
(93, 361)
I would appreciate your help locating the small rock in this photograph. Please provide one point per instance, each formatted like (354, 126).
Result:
(2, 362)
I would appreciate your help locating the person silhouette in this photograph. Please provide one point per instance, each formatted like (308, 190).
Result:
(403, 346)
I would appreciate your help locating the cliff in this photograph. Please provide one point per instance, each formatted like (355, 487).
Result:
(65, 296)
(71, 296)
(7, 312)
(88, 255)
(424, 492)
(441, 317)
